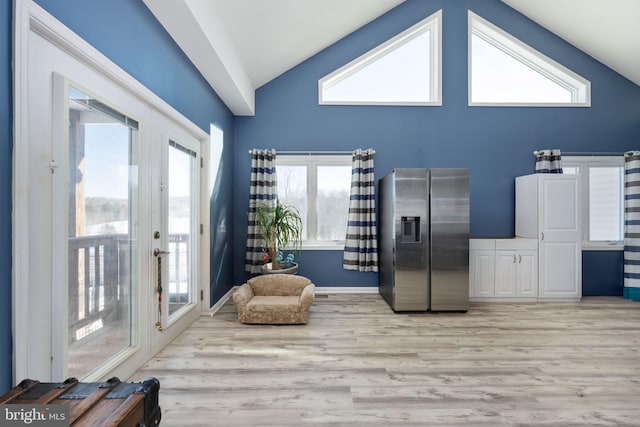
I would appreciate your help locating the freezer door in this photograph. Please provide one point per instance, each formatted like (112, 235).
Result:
(411, 287)
(449, 239)
(386, 247)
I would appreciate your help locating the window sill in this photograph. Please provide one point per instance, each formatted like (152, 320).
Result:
(590, 246)
(323, 246)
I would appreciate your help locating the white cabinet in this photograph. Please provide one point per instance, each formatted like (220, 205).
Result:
(547, 210)
(516, 268)
(503, 268)
(527, 274)
(481, 268)
(505, 283)
(544, 261)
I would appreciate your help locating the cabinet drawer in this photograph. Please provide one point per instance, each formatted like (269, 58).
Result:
(482, 244)
(516, 244)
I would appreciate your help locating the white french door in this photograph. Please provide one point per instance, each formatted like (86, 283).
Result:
(176, 232)
(96, 232)
(102, 180)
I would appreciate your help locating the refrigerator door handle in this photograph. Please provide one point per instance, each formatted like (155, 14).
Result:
(542, 235)
(514, 258)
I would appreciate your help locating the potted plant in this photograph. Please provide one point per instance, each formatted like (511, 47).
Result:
(280, 225)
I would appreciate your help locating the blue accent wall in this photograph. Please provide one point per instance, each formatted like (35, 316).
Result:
(6, 147)
(495, 143)
(128, 33)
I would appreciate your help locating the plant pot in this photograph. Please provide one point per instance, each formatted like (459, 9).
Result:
(267, 269)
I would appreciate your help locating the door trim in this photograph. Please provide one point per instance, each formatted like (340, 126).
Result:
(29, 17)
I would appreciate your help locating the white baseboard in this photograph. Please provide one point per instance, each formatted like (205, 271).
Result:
(319, 290)
(346, 290)
(506, 299)
(522, 300)
(222, 301)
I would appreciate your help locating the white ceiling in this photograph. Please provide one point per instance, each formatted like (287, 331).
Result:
(239, 45)
(276, 35)
(608, 30)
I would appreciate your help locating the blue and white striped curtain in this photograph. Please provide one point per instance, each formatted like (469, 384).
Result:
(548, 161)
(361, 245)
(632, 225)
(263, 189)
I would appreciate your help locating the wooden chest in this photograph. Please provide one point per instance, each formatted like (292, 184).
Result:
(111, 403)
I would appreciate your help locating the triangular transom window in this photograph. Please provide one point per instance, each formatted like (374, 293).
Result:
(505, 71)
(404, 70)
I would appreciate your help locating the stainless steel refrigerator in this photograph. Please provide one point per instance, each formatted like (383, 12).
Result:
(424, 239)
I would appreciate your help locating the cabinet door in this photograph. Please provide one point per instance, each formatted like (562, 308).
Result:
(559, 214)
(560, 258)
(560, 270)
(527, 274)
(482, 273)
(505, 274)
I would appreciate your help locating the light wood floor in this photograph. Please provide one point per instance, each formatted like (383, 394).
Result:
(358, 363)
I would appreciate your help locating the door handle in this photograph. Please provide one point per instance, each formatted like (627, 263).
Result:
(157, 252)
(514, 258)
(519, 258)
(542, 236)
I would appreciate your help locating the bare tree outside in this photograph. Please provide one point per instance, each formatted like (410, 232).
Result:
(332, 201)
(292, 190)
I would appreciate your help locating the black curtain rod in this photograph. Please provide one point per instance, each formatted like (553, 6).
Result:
(586, 153)
(285, 152)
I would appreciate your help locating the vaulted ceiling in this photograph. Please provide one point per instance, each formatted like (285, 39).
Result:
(240, 45)
(608, 31)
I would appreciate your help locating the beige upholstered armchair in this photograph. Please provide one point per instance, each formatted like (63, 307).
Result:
(275, 299)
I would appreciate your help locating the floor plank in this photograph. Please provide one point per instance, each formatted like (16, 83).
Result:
(358, 363)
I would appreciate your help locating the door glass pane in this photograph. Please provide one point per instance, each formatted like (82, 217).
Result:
(332, 202)
(102, 241)
(181, 225)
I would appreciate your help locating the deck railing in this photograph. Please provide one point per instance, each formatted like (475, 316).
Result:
(99, 279)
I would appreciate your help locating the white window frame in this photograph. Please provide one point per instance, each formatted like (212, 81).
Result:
(311, 162)
(584, 163)
(432, 23)
(579, 87)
